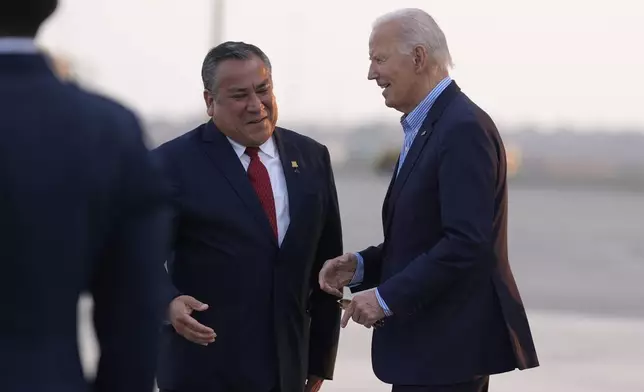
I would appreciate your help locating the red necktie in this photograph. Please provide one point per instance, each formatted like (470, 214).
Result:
(261, 182)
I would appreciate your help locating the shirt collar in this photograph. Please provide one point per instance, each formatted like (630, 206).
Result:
(413, 120)
(267, 148)
(17, 45)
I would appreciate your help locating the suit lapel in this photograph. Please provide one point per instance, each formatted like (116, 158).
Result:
(412, 156)
(223, 156)
(293, 166)
(424, 133)
(385, 204)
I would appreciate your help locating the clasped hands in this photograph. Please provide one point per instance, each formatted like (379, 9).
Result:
(364, 308)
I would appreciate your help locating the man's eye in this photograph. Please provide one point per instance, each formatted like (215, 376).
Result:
(239, 96)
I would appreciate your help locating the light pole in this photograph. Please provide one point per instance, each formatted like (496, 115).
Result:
(218, 23)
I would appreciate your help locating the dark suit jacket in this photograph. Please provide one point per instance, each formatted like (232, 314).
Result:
(274, 325)
(443, 267)
(79, 209)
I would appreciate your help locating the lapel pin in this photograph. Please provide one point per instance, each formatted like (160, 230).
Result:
(423, 133)
(294, 164)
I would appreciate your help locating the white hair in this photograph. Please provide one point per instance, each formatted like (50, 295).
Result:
(419, 28)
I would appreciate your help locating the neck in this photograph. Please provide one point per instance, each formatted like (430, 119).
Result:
(424, 88)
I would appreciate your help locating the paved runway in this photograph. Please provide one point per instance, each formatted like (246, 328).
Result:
(578, 257)
(577, 353)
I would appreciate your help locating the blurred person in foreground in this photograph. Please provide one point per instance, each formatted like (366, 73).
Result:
(80, 209)
(256, 216)
(446, 307)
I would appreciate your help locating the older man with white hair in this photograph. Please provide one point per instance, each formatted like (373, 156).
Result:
(446, 307)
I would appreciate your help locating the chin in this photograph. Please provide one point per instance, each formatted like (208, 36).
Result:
(389, 103)
(261, 136)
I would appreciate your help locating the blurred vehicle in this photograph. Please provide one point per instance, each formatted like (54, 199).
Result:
(386, 161)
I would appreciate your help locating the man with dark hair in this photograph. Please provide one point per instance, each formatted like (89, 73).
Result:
(256, 215)
(81, 208)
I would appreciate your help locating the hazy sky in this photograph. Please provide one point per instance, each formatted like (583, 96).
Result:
(572, 62)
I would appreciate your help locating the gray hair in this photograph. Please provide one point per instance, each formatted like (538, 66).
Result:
(227, 51)
(419, 28)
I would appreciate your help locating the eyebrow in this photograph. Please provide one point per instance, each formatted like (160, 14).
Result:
(263, 84)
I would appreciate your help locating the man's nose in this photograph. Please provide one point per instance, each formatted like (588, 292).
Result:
(254, 103)
(372, 74)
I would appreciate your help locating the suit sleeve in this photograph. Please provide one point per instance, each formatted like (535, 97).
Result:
(325, 312)
(467, 177)
(163, 162)
(126, 286)
(372, 266)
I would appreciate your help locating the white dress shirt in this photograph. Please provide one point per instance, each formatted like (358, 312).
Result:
(17, 45)
(269, 156)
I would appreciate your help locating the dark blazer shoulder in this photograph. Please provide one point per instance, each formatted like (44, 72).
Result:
(179, 143)
(300, 139)
(463, 110)
(95, 102)
(463, 115)
(115, 123)
(315, 152)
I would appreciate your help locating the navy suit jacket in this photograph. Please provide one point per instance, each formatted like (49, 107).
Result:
(443, 267)
(274, 325)
(80, 209)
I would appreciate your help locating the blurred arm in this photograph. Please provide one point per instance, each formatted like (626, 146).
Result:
(164, 164)
(127, 284)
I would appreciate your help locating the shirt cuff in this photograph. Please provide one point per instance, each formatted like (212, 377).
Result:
(358, 276)
(383, 305)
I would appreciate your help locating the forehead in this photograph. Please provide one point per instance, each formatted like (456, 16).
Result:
(238, 73)
(384, 36)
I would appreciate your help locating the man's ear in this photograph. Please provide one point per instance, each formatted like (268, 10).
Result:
(421, 58)
(210, 102)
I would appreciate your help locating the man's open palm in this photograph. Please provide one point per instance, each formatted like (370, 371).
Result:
(337, 273)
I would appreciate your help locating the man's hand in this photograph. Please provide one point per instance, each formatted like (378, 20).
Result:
(364, 309)
(313, 384)
(180, 310)
(337, 273)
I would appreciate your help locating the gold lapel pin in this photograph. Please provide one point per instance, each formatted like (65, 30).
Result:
(294, 164)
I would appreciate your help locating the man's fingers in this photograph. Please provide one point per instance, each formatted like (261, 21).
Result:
(327, 288)
(313, 386)
(359, 317)
(325, 285)
(322, 281)
(347, 315)
(195, 304)
(197, 338)
(195, 326)
(326, 277)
